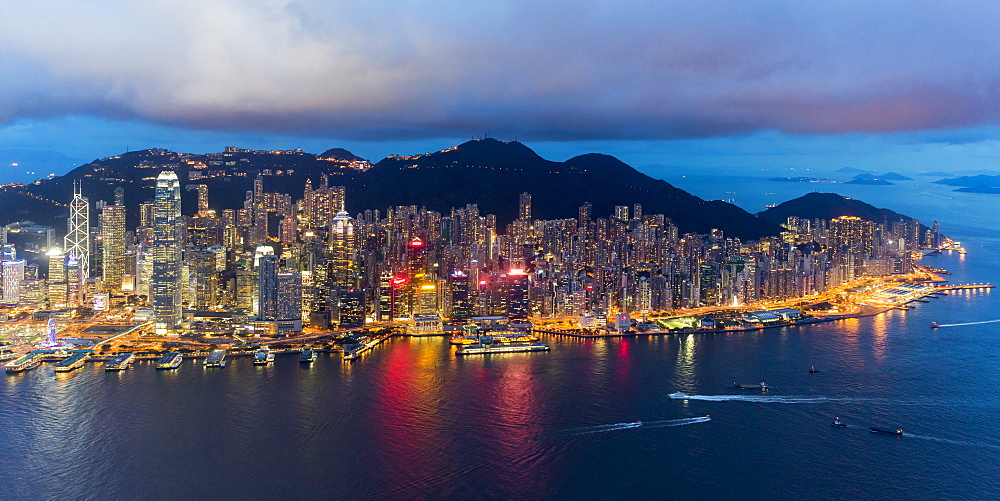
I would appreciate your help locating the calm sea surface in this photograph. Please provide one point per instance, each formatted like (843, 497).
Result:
(411, 420)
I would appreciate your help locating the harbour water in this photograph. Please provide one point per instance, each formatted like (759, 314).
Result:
(410, 419)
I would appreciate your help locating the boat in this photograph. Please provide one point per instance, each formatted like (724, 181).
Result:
(464, 340)
(74, 362)
(263, 356)
(23, 364)
(120, 362)
(812, 369)
(486, 347)
(170, 361)
(308, 356)
(217, 358)
(836, 423)
(762, 386)
(678, 395)
(885, 431)
(934, 325)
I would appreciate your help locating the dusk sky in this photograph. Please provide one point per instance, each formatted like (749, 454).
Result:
(887, 86)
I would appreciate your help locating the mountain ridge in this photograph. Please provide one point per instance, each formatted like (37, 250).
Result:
(487, 172)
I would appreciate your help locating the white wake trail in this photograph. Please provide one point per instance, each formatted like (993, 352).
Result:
(970, 323)
(798, 399)
(604, 428)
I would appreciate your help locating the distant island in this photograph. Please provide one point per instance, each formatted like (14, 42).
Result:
(981, 183)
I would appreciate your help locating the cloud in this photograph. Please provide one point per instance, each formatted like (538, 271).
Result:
(555, 70)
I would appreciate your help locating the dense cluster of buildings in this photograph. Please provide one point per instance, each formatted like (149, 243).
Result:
(279, 263)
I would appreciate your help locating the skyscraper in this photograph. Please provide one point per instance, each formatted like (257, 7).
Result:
(57, 278)
(13, 274)
(517, 294)
(524, 206)
(77, 241)
(167, 226)
(342, 250)
(113, 246)
(267, 288)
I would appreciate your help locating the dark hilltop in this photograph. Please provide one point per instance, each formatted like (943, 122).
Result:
(486, 172)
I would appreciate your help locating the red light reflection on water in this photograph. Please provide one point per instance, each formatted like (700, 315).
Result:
(403, 441)
(422, 430)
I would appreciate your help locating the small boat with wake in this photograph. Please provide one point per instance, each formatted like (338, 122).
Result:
(837, 423)
(934, 325)
(885, 431)
(812, 369)
(762, 386)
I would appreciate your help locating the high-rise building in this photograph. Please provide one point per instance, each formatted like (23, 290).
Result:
(621, 212)
(289, 299)
(77, 241)
(426, 300)
(113, 246)
(352, 309)
(74, 281)
(267, 287)
(13, 274)
(584, 214)
(342, 250)
(461, 303)
(57, 278)
(517, 294)
(524, 206)
(167, 227)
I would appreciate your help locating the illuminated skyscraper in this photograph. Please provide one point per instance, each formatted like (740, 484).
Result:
(113, 246)
(289, 298)
(267, 287)
(517, 294)
(77, 241)
(167, 227)
(13, 274)
(352, 309)
(342, 250)
(524, 206)
(57, 278)
(461, 304)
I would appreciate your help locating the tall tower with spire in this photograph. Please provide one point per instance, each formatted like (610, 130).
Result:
(77, 241)
(167, 227)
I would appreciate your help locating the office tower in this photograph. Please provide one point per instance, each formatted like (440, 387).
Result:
(461, 304)
(74, 281)
(77, 241)
(517, 294)
(57, 278)
(113, 246)
(204, 278)
(384, 298)
(13, 275)
(524, 206)
(426, 300)
(166, 250)
(352, 309)
(342, 250)
(267, 287)
(289, 298)
(144, 275)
